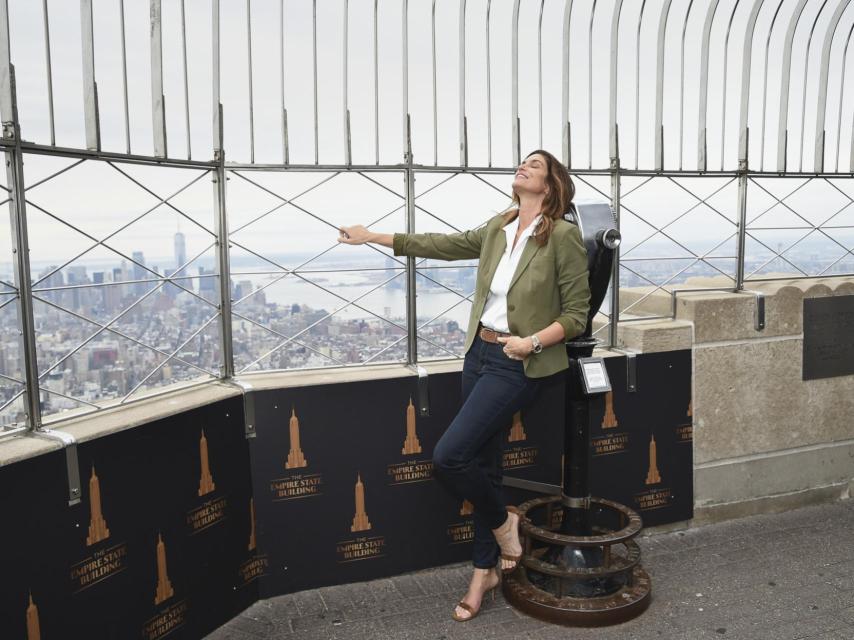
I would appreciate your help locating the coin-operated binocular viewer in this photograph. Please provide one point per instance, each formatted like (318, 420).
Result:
(580, 564)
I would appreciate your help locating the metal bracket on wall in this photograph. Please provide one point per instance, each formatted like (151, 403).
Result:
(423, 390)
(631, 372)
(631, 368)
(759, 311)
(248, 406)
(72, 466)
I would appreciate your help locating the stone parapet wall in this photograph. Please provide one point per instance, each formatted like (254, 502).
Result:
(764, 439)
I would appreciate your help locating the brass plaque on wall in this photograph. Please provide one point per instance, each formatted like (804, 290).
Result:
(828, 337)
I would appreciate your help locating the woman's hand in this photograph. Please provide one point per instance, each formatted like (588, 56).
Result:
(517, 348)
(356, 234)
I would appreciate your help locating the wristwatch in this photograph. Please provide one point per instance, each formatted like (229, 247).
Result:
(538, 347)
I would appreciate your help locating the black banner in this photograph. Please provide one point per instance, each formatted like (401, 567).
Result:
(154, 549)
(183, 522)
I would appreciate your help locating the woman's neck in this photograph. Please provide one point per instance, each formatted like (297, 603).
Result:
(529, 208)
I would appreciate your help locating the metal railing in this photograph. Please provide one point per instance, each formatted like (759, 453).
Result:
(385, 94)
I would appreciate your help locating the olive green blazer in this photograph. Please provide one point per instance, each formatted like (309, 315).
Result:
(550, 284)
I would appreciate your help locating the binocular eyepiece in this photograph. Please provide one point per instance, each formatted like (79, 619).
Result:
(598, 226)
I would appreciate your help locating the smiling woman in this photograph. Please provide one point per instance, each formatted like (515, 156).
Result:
(531, 295)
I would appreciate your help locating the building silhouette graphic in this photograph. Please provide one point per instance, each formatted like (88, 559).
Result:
(360, 520)
(411, 444)
(97, 525)
(206, 483)
(33, 628)
(517, 429)
(296, 459)
(609, 420)
(164, 587)
(652, 475)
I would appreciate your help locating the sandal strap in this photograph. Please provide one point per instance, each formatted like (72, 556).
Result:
(507, 556)
(466, 606)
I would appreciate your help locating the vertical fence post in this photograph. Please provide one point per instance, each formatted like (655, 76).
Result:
(18, 223)
(742, 212)
(222, 257)
(411, 308)
(222, 244)
(615, 275)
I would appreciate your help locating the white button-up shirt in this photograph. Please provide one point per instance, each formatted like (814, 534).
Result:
(495, 312)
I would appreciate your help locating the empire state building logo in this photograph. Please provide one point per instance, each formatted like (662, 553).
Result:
(411, 444)
(296, 459)
(206, 483)
(517, 429)
(360, 520)
(164, 587)
(252, 542)
(33, 628)
(652, 475)
(97, 525)
(609, 421)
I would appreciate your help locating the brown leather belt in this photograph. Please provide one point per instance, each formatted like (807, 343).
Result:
(488, 335)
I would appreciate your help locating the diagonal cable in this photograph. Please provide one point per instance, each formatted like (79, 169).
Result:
(285, 201)
(167, 200)
(103, 240)
(131, 260)
(813, 229)
(51, 176)
(700, 201)
(107, 327)
(117, 317)
(332, 313)
(417, 329)
(173, 354)
(281, 335)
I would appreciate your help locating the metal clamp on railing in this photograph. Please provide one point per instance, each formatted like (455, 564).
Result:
(423, 390)
(69, 443)
(248, 405)
(759, 311)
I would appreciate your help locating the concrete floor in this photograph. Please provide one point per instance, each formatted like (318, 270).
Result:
(776, 577)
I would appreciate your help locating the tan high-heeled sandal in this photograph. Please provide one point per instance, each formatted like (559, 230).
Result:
(515, 558)
(472, 611)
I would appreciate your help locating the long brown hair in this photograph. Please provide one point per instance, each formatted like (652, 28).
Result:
(556, 202)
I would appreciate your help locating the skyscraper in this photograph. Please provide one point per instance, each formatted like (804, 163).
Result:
(180, 251)
(180, 259)
(139, 273)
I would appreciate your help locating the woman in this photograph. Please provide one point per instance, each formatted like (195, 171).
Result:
(531, 296)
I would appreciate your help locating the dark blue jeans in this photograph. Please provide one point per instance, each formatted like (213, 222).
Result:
(467, 458)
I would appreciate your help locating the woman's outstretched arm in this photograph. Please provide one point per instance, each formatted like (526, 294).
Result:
(360, 235)
(441, 246)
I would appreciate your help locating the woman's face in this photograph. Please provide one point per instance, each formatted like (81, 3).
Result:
(531, 176)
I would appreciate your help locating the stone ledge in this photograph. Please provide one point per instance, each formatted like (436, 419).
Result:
(781, 473)
(720, 512)
(727, 315)
(653, 336)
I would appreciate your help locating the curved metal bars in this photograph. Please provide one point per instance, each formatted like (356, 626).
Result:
(460, 28)
(746, 57)
(804, 92)
(658, 131)
(822, 87)
(765, 83)
(702, 159)
(782, 121)
(564, 111)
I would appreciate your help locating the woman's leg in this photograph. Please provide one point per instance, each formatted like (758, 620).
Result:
(500, 390)
(486, 551)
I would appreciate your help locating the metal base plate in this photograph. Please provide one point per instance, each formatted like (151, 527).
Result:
(625, 604)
